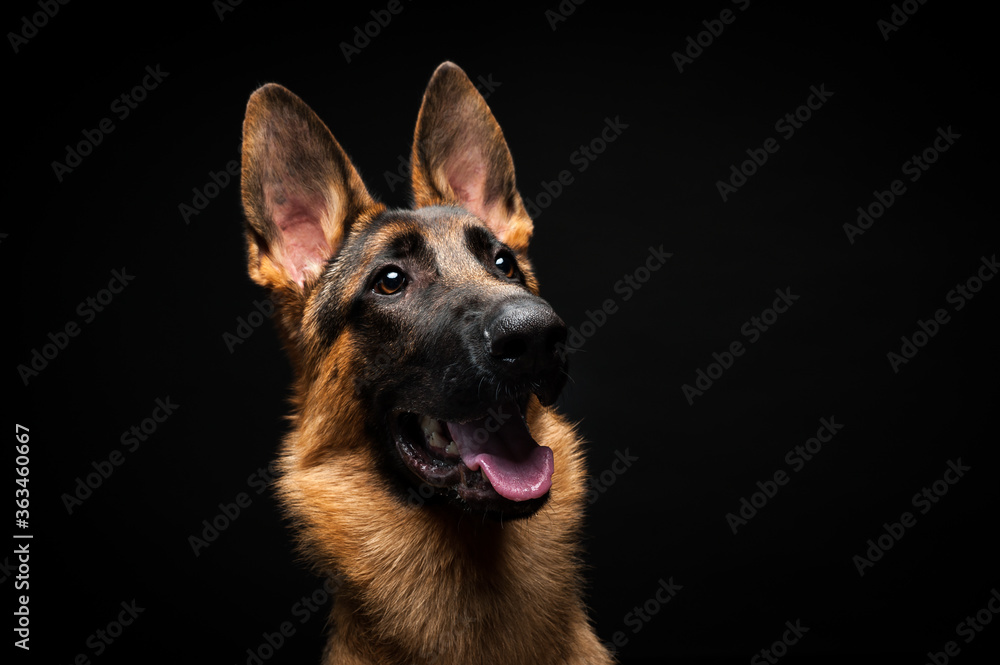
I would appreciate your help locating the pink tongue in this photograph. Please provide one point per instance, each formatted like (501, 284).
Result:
(518, 468)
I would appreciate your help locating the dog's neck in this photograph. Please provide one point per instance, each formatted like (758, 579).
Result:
(462, 594)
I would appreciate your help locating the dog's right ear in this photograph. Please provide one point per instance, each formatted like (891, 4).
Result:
(300, 190)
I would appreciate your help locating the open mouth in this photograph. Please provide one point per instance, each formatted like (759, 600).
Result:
(489, 463)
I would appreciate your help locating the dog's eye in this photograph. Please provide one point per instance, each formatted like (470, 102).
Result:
(390, 281)
(505, 264)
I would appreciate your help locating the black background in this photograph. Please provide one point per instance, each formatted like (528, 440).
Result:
(665, 516)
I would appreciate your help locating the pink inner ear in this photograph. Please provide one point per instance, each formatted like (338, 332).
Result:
(466, 174)
(304, 247)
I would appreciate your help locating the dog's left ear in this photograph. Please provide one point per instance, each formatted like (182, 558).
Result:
(460, 157)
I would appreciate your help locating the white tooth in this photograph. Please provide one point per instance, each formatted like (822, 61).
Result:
(437, 441)
(430, 425)
(452, 448)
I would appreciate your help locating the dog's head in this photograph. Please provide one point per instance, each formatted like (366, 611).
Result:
(418, 333)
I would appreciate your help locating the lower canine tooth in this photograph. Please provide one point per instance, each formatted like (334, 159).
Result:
(452, 448)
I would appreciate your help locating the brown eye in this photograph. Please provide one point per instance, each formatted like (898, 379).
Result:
(506, 265)
(392, 280)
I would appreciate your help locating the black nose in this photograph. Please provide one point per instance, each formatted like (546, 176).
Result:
(522, 339)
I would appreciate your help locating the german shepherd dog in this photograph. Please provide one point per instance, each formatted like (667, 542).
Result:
(424, 469)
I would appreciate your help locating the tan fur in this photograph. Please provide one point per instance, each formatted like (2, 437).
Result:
(418, 584)
(431, 585)
(468, 129)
